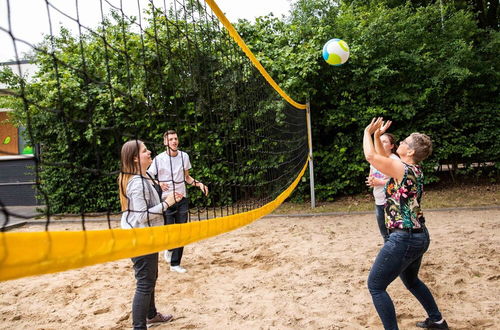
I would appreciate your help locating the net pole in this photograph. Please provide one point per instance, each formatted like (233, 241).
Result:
(311, 167)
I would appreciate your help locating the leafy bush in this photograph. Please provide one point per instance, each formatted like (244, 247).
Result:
(427, 68)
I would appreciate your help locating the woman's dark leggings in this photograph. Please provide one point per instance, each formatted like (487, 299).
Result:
(143, 305)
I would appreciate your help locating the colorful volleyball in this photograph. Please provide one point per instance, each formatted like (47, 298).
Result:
(336, 52)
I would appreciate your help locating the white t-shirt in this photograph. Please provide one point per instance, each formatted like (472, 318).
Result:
(379, 191)
(171, 171)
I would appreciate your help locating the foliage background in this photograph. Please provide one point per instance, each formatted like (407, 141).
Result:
(93, 92)
(429, 66)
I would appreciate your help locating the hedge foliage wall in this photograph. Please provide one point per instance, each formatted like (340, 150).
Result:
(428, 67)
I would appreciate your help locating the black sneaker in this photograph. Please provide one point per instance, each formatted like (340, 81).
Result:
(428, 324)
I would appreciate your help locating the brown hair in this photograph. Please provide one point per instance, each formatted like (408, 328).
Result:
(392, 140)
(169, 132)
(422, 145)
(128, 168)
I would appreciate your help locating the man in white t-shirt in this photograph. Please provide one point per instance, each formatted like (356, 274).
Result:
(171, 168)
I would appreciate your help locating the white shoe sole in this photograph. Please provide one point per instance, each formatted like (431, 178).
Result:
(180, 271)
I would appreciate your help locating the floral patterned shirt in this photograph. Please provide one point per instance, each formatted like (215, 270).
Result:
(402, 208)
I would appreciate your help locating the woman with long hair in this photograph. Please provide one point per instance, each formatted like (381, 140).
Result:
(142, 207)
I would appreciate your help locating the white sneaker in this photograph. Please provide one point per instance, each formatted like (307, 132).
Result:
(178, 269)
(167, 255)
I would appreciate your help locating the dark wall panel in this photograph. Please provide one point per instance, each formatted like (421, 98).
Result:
(17, 182)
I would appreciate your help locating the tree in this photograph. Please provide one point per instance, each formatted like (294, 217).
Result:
(100, 89)
(423, 66)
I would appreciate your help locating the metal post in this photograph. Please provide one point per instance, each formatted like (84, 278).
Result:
(311, 167)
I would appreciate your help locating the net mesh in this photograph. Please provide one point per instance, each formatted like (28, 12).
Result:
(137, 73)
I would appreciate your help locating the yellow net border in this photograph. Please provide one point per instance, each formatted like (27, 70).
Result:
(237, 38)
(35, 253)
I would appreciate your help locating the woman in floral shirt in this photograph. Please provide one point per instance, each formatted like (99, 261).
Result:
(402, 254)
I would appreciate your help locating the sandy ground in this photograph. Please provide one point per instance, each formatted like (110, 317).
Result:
(277, 273)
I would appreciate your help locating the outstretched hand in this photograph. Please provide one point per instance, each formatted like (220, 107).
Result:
(375, 124)
(385, 126)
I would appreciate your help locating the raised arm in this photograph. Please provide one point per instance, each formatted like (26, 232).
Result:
(379, 148)
(391, 167)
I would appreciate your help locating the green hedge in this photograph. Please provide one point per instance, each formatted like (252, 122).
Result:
(427, 68)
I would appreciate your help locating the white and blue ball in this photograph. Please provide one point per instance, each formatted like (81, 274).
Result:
(336, 52)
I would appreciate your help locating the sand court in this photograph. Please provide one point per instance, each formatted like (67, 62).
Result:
(277, 273)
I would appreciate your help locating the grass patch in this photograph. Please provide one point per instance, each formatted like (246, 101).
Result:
(444, 195)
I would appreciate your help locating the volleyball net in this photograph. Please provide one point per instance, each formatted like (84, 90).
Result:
(134, 74)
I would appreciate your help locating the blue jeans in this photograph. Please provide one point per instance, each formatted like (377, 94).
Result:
(177, 213)
(400, 256)
(380, 215)
(143, 305)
